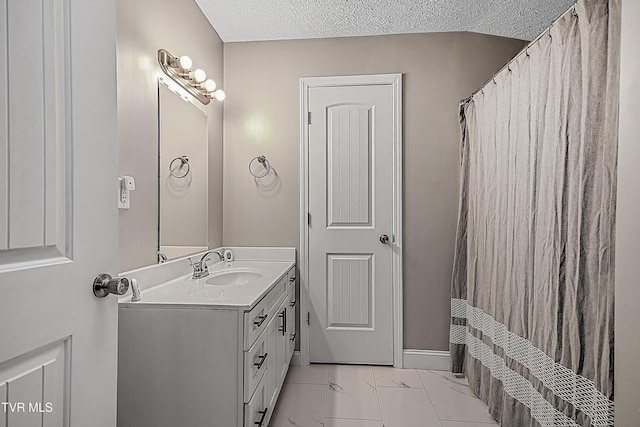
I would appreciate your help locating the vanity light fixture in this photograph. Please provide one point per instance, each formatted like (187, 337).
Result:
(195, 82)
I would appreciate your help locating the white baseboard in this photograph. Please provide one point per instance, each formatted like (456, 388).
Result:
(432, 360)
(296, 359)
(412, 359)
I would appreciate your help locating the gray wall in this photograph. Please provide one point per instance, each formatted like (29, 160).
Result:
(262, 113)
(627, 370)
(143, 27)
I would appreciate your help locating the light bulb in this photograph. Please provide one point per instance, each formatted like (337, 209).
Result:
(209, 85)
(219, 95)
(198, 75)
(185, 62)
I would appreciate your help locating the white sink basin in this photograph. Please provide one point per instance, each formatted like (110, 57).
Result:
(233, 277)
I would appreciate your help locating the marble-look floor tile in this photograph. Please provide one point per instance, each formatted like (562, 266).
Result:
(403, 407)
(311, 374)
(352, 393)
(391, 377)
(365, 396)
(452, 398)
(300, 405)
(350, 373)
(344, 422)
(466, 424)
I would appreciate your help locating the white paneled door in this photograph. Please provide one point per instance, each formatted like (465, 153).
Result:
(58, 217)
(350, 234)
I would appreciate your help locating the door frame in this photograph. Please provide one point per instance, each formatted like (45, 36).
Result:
(306, 83)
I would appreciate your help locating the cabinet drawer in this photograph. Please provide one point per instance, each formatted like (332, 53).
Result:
(256, 320)
(291, 278)
(255, 364)
(256, 411)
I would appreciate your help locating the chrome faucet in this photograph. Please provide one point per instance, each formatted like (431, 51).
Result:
(200, 268)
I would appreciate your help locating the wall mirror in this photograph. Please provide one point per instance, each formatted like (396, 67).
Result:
(183, 175)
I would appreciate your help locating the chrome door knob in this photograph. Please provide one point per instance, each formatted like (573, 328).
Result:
(104, 285)
(384, 239)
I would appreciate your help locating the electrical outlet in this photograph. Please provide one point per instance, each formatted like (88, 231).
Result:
(123, 196)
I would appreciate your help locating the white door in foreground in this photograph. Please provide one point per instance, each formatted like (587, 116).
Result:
(351, 138)
(58, 217)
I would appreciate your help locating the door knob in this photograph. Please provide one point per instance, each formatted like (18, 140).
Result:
(105, 285)
(384, 239)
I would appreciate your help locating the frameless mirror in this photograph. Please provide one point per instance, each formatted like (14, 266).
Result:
(183, 176)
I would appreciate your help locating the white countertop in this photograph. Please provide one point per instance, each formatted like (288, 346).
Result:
(184, 292)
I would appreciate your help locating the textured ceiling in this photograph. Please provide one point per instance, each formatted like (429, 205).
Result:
(251, 20)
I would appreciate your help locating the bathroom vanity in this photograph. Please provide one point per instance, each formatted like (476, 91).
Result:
(208, 352)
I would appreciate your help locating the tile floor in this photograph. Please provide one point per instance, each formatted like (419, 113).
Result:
(373, 396)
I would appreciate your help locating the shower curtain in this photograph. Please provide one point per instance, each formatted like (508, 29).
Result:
(533, 281)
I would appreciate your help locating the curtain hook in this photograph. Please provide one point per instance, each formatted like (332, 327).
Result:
(509, 66)
(494, 79)
(526, 51)
(575, 13)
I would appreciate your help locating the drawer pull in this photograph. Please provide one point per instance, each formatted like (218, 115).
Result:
(260, 320)
(261, 362)
(292, 304)
(293, 337)
(283, 316)
(264, 415)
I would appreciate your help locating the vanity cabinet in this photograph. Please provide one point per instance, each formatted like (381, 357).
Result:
(200, 365)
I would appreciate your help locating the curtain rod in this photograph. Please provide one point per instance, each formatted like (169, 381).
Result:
(525, 50)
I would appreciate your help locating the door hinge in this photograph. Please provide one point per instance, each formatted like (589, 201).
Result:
(308, 317)
(309, 117)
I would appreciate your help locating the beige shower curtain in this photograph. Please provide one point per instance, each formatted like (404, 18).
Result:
(532, 293)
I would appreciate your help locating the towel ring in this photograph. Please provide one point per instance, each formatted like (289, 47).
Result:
(265, 164)
(184, 161)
